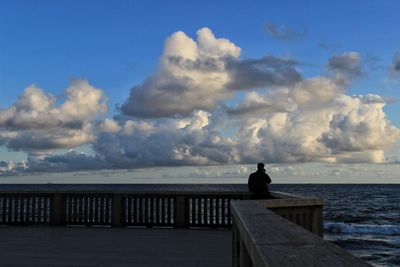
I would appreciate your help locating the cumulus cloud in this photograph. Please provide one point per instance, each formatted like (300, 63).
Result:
(35, 123)
(284, 32)
(12, 167)
(330, 133)
(199, 74)
(342, 129)
(189, 112)
(316, 91)
(271, 102)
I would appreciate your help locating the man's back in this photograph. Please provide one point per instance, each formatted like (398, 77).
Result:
(258, 182)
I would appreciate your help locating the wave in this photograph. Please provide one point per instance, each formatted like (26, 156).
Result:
(348, 228)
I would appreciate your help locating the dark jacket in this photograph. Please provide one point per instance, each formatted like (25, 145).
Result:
(258, 183)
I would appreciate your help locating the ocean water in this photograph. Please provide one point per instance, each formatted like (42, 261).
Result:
(363, 219)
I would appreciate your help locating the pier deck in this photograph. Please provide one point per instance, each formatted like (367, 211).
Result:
(108, 246)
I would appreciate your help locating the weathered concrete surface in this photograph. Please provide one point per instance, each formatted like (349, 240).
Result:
(270, 240)
(83, 247)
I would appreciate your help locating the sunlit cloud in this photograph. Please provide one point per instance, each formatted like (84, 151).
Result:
(189, 113)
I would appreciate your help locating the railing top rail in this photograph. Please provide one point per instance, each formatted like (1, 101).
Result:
(278, 194)
(272, 240)
(171, 189)
(281, 199)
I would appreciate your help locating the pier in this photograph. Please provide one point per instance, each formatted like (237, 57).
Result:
(162, 225)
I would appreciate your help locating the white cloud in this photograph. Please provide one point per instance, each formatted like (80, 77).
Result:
(345, 129)
(198, 75)
(180, 86)
(180, 115)
(35, 123)
(109, 126)
(315, 92)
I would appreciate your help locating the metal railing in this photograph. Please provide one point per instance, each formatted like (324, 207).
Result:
(167, 206)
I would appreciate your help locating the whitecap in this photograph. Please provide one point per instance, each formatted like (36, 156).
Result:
(348, 228)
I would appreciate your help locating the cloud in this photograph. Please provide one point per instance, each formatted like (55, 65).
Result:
(269, 71)
(70, 161)
(348, 65)
(36, 109)
(170, 142)
(35, 123)
(284, 32)
(271, 102)
(199, 75)
(345, 129)
(12, 167)
(109, 125)
(333, 47)
(316, 91)
(338, 129)
(204, 106)
(188, 73)
(394, 69)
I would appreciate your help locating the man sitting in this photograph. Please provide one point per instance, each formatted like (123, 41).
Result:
(258, 182)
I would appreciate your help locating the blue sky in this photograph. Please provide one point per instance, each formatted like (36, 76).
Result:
(117, 45)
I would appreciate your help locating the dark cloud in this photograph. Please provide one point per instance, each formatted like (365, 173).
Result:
(284, 32)
(201, 64)
(59, 138)
(71, 161)
(265, 72)
(346, 64)
(371, 61)
(333, 47)
(394, 69)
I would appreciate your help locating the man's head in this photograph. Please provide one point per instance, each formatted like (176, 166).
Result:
(260, 167)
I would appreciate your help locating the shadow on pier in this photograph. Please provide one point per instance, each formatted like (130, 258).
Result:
(112, 246)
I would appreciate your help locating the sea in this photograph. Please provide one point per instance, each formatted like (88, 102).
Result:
(363, 219)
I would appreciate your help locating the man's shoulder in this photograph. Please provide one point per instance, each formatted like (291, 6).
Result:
(253, 174)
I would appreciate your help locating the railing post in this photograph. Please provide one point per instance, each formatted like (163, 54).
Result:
(244, 257)
(317, 221)
(117, 211)
(235, 246)
(58, 210)
(180, 211)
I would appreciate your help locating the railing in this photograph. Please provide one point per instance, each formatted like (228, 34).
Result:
(122, 205)
(303, 211)
(262, 237)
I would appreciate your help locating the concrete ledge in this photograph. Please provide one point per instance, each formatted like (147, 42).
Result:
(271, 240)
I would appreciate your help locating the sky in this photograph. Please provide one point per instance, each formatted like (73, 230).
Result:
(179, 87)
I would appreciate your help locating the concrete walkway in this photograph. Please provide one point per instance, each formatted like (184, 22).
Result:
(92, 246)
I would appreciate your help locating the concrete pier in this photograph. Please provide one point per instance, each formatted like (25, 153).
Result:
(85, 225)
(107, 246)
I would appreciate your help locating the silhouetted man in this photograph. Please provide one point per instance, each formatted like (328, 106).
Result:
(258, 182)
